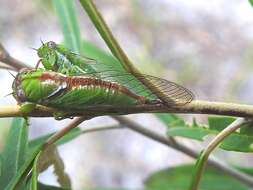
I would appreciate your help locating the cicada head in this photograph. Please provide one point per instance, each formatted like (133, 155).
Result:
(35, 85)
(48, 54)
(18, 91)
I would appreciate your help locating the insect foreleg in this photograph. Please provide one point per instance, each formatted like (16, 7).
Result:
(27, 107)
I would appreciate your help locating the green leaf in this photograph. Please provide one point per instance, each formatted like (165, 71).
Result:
(219, 123)
(24, 170)
(13, 155)
(190, 132)
(171, 120)
(1, 165)
(251, 2)
(69, 25)
(179, 178)
(35, 172)
(240, 141)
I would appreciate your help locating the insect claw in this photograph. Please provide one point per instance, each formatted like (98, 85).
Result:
(11, 74)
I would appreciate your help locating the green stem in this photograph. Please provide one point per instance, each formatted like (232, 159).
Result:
(106, 34)
(203, 158)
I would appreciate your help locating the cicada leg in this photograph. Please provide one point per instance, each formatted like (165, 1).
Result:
(27, 107)
(38, 63)
(60, 115)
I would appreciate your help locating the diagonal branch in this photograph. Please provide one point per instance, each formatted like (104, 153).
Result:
(203, 158)
(6, 58)
(65, 130)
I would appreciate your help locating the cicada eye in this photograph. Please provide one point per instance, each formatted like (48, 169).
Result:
(51, 44)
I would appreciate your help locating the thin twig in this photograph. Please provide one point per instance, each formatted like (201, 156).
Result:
(50, 156)
(106, 34)
(221, 166)
(203, 158)
(9, 60)
(97, 129)
(65, 130)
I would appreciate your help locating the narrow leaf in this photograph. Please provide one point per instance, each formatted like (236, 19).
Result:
(69, 25)
(13, 155)
(35, 173)
(219, 123)
(24, 170)
(251, 2)
(171, 120)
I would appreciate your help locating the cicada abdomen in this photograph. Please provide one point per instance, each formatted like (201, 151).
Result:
(71, 92)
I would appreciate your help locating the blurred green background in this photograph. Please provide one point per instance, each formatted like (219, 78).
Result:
(205, 46)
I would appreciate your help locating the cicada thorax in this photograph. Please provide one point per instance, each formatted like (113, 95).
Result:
(71, 92)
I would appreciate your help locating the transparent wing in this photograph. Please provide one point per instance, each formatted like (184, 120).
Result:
(172, 93)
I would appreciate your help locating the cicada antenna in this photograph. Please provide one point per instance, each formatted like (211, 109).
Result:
(9, 94)
(35, 49)
(42, 42)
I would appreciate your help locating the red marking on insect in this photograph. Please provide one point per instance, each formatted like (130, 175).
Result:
(73, 81)
(50, 76)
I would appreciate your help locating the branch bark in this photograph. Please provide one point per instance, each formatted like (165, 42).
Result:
(195, 107)
(6, 58)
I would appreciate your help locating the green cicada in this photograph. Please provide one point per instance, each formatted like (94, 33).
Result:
(75, 93)
(57, 58)
(72, 83)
